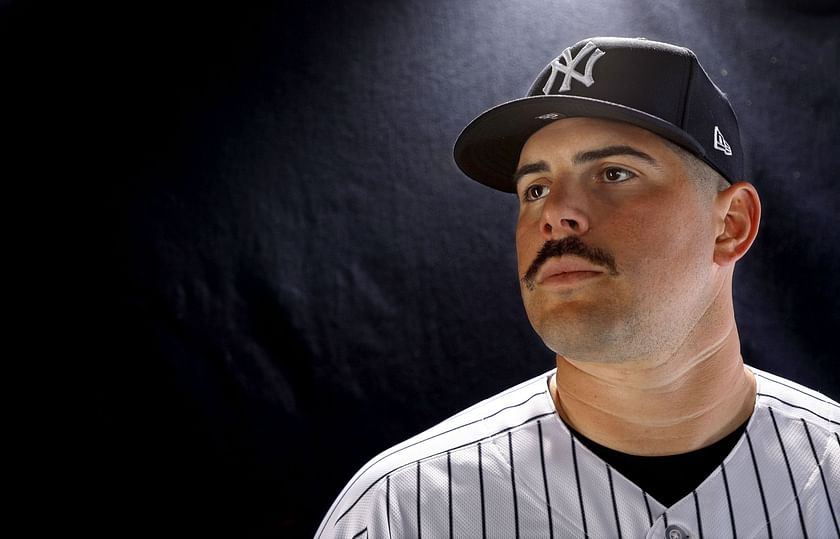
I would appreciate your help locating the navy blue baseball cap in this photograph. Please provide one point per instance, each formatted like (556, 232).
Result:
(656, 86)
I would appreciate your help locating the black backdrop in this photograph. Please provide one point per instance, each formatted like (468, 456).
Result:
(291, 274)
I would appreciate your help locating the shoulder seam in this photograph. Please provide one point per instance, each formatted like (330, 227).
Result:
(797, 389)
(798, 408)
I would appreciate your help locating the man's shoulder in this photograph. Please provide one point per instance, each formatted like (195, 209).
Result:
(501, 412)
(514, 407)
(504, 411)
(795, 401)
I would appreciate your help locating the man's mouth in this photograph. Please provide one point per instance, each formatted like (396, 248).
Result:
(568, 261)
(567, 270)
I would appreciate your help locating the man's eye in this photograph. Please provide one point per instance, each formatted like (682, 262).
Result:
(616, 175)
(535, 192)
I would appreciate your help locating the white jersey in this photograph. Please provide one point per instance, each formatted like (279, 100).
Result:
(509, 467)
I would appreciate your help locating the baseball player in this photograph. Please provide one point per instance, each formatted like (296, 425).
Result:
(627, 163)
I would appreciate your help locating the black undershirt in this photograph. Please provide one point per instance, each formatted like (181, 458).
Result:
(670, 478)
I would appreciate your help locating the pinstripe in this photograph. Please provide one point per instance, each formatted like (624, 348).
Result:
(545, 481)
(699, 520)
(822, 477)
(513, 486)
(612, 496)
(728, 501)
(481, 488)
(577, 482)
(449, 489)
(760, 488)
(419, 534)
(790, 472)
(388, 502)
(647, 506)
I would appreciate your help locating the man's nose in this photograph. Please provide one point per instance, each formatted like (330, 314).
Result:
(564, 212)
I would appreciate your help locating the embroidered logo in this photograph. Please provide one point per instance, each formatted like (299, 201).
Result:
(569, 71)
(720, 142)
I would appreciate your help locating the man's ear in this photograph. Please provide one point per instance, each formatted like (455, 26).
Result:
(737, 214)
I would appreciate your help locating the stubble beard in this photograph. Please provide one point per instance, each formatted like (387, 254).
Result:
(607, 332)
(585, 334)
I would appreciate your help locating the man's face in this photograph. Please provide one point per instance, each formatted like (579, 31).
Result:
(636, 236)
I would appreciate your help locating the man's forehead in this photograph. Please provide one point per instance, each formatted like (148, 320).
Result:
(568, 137)
(571, 132)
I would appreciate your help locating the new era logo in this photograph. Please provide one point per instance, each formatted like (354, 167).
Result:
(720, 142)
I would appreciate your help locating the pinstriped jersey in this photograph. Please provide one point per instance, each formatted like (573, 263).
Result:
(509, 467)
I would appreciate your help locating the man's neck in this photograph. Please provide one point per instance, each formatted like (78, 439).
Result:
(669, 406)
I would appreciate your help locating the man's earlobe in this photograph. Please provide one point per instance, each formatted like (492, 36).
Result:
(738, 210)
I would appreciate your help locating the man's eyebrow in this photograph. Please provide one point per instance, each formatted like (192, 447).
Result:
(585, 157)
(529, 168)
(610, 151)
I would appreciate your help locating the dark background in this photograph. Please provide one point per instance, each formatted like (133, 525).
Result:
(283, 273)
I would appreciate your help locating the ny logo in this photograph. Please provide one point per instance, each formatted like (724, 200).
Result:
(569, 71)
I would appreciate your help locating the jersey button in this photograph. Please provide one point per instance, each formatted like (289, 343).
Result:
(675, 532)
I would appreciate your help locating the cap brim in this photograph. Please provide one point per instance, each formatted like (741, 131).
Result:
(488, 148)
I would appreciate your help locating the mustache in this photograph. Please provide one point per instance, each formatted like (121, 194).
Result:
(571, 245)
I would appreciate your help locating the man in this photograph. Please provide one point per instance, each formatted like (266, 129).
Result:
(627, 163)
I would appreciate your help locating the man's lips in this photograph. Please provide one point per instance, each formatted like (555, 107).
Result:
(567, 269)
